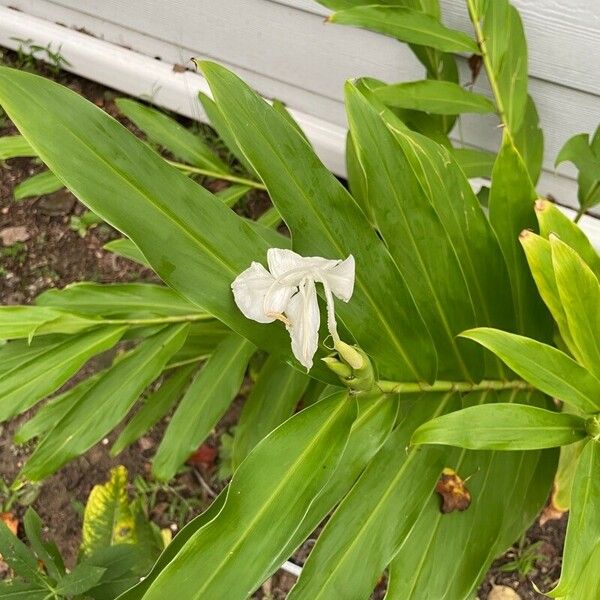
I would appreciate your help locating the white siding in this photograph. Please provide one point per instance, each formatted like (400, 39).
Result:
(285, 50)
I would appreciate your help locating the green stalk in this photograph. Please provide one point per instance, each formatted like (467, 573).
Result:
(217, 175)
(475, 19)
(158, 320)
(400, 387)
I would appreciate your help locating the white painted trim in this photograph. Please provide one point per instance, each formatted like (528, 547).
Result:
(139, 75)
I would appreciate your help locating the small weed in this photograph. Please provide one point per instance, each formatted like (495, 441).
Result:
(85, 222)
(525, 559)
(29, 53)
(179, 508)
(23, 496)
(17, 251)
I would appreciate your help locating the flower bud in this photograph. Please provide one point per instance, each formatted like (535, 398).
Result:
(352, 366)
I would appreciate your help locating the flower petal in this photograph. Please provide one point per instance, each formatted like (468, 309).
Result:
(340, 278)
(282, 261)
(258, 295)
(303, 314)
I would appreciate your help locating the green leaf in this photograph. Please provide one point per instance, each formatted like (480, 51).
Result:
(376, 418)
(118, 300)
(38, 185)
(35, 378)
(511, 211)
(502, 427)
(14, 352)
(20, 558)
(108, 519)
(104, 404)
(81, 579)
(368, 527)
(539, 257)
(17, 590)
(529, 140)
(407, 221)
(505, 48)
(202, 340)
(474, 163)
(448, 555)
(581, 555)
(52, 412)
(127, 249)
(576, 150)
(437, 97)
(579, 293)
(200, 245)
(321, 214)
(272, 400)
(283, 111)
(565, 475)
(47, 552)
(154, 408)
(178, 542)
(122, 570)
(552, 220)
(171, 135)
(14, 146)
(231, 195)
(222, 127)
(543, 366)
(357, 182)
(268, 495)
(204, 403)
(407, 25)
(29, 321)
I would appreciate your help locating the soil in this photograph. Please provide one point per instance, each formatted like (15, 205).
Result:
(50, 255)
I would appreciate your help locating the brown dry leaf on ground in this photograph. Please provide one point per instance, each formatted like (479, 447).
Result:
(455, 496)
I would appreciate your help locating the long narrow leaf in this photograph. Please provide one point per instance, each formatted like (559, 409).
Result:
(29, 382)
(38, 185)
(203, 404)
(581, 556)
(169, 134)
(369, 525)
(579, 292)
(268, 495)
(155, 406)
(272, 400)
(449, 554)
(407, 25)
(104, 404)
(437, 97)
(502, 427)
(545, 367)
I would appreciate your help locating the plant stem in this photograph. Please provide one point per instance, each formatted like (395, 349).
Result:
(400, 387)
(217, 175)
(159, 320)
(475, 19)
(188, 361)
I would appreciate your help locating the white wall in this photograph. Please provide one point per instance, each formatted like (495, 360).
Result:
(285, 50)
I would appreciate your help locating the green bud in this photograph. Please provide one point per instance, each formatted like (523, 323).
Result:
(342, 370)
(349, 354)
(352, 366)
(592, 427)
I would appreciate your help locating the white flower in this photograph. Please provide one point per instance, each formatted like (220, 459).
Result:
(287, 292)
